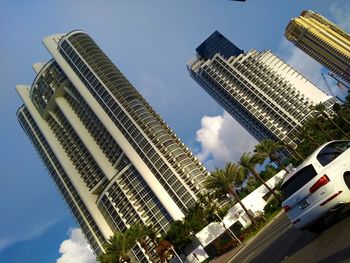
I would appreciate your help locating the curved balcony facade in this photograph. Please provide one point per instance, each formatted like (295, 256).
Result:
(117, 160)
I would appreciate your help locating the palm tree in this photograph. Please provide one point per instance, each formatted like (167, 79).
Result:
(295, 153)
(318, 123)
(321, 109)
(117, 248)
(248, 163)
(337, 108)
(305, 132)
(347, 100)
(268, 148)
(252, 184)
(108, 258)
(152, 234)
(223, 181)
(119, 245)
(140, 232)
(165, 250)
(268, 172)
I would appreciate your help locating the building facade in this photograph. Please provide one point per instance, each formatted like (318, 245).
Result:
(112, 157)
(322, 40)
(265, 95)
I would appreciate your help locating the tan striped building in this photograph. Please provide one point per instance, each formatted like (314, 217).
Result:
(323, 40)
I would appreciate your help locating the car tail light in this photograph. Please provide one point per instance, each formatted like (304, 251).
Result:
(286, 208)
(320, 182)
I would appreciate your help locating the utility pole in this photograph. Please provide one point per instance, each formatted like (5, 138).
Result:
(177, 256)
(229, 230)
(338, 80)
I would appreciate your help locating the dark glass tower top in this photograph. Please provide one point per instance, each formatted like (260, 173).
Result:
(217, 43)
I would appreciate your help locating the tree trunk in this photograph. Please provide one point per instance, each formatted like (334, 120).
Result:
(312, 139)
(336, 125)
(278, 162)
(342, 118)
(324, 132)
(257, 176)
(298, 155)
(238, 200)
(126, 258)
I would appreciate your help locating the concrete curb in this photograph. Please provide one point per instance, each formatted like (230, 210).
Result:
(228, 256)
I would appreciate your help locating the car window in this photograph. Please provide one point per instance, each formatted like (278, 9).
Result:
(298, 180)
(332, 151)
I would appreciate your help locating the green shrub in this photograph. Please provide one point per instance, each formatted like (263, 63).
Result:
(273, 206)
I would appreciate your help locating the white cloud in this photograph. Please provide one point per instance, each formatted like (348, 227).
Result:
(5, 242)
(341, 14)
(222, 140)
(153, 89)
(150, 85)
(35, 232)
(76, 249)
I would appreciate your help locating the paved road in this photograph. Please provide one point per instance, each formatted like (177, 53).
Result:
(280, 242)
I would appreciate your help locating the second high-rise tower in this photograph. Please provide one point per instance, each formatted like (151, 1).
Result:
(264, 94)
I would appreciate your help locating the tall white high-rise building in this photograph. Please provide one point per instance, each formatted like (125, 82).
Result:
(264, 94)
(111, 156)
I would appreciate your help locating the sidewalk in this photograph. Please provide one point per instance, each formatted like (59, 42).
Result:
(229, 255)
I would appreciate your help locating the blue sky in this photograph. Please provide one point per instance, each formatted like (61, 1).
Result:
(151, 42)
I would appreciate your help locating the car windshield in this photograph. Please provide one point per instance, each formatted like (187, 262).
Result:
(332, 151)
(298, 180)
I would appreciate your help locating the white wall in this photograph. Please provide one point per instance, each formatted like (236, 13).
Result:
(254, 201)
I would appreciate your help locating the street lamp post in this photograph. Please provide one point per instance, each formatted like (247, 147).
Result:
(229, 230)
(173, 249)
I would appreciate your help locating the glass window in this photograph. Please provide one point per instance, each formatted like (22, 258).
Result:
(297, 181)
(331, 151)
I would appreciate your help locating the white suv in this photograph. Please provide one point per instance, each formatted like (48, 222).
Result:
(318, 187)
